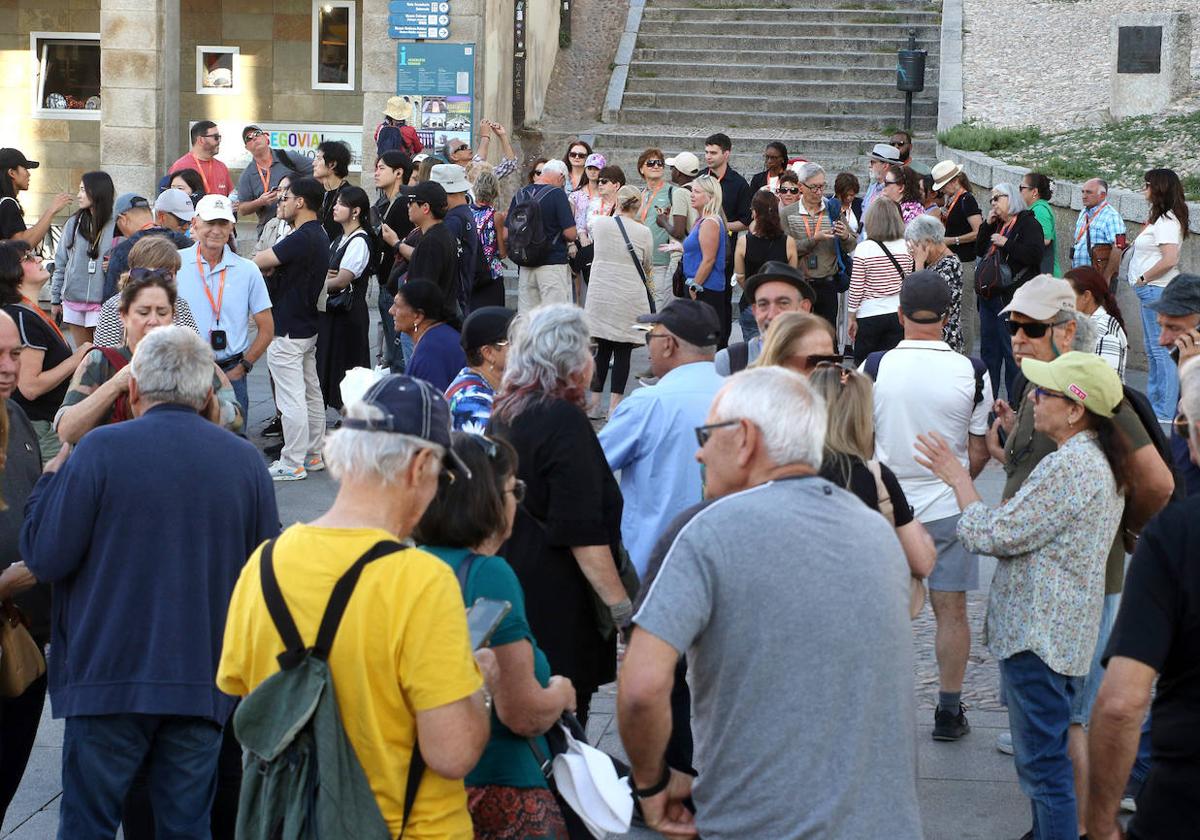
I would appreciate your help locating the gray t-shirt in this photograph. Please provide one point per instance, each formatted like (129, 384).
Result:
(789, 598)
(250, 185)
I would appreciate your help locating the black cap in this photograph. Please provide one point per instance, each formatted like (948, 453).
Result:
(694, 321)
(774, 270)
(429, 192)
(486, 325)
(1180, 298)
(12, 158)
(925, 297)
(413, 407)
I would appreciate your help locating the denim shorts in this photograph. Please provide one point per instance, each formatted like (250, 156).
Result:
(956, 570)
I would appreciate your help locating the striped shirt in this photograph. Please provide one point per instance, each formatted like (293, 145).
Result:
(874, 281)
(1111, 342)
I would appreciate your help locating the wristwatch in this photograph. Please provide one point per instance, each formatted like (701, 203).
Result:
(655, 789)
(247, 364)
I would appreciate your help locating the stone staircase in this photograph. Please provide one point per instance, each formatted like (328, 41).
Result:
(819, 75)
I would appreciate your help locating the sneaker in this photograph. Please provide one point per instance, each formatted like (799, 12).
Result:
(948, 726)
(314, 463)
(274, 428)
(1129, 797)
(282, 472)
(1004, 743)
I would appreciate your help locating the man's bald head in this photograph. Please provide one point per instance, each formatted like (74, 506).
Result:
(10, 354)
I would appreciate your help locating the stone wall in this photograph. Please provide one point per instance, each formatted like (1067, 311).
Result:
(1046, 62)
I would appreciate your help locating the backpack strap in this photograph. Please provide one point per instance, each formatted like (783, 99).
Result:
(871, 365)
(739, 356)
(293, 645)
(464, 571)
(340, 597)
(980, 369)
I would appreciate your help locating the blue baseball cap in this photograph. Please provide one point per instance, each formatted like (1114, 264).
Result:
(410, 407)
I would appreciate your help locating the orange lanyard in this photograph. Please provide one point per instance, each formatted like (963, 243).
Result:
(820, 218)
(147, 226)
(954, 204)
(216, 307)
(264, 175)
(1087, 221)
(649, 202)
(203, 177)
(42, 315)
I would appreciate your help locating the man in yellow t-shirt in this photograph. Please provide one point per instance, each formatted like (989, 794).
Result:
(401, 660)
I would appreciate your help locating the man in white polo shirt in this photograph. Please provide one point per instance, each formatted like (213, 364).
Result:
(923, 386)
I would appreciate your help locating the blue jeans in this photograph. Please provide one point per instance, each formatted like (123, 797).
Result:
(995, 344)
(242, 392)
(748, 324)
(1086, 688)
(1039, 713)
(393, 359)
(102, 754)
(1162, 385)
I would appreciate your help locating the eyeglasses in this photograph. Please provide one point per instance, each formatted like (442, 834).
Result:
(1182, 425)
(212, 137)
(30, 257)
(996, 198)
(1024, 188)
(517, 490)
(789, 190)
(607, 181)
(816, 187)
(1031, 330)
(703, 433)
(651, 336)
(577, 155)
(656, 163)
(1040, 393)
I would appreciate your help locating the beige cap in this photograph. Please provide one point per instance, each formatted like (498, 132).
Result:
(685, 162)
(1042, 298)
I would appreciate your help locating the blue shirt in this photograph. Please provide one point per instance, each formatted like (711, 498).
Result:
(470, 398)
(651, 439)
(245, 295)
(693, 255)
(144, 561)
(118, 257)
(1103, 230)
(438, 357)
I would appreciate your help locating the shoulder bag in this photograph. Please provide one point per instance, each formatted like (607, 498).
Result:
(992, 272)
(916, 586)
(342, 299)
(636, 263)
(21, 660)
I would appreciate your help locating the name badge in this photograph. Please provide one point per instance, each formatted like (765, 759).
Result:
(91, 266)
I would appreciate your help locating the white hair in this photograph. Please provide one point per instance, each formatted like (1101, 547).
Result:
(358, 455)
(808, 170)
(1015, 203)
(173, 365)
(925, 228)
(556, 166)
(1085, 329)
(788, 413)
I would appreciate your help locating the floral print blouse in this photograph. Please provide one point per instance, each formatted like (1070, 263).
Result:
(950, 269)
(1051, 540)
(485, 224)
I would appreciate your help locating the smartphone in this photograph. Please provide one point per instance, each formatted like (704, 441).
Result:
(1174, 353)
(483, 617)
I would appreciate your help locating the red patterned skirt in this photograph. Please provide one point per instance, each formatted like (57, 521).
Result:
(509, 813)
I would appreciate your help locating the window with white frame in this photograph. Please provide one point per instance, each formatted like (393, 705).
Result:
(218, 70)
(68, 75)
(333, 43)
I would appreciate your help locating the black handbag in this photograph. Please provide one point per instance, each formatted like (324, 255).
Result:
(992, 272)
(637, 263)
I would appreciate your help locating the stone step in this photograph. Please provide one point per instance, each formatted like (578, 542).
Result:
(688, 72)
(872, 125)
(757, 11)
(884, 32)
(799, 5)
(710, 106)
(779, 90)
(717, 45)
(754, 58)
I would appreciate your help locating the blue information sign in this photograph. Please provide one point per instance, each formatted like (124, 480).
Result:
(437, 84)
(419, 19)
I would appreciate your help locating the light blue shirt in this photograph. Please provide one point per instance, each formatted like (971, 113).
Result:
(245, 296)
(874, 190)
(651, 439)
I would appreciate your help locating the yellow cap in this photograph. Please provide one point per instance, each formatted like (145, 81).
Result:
(1083, 377)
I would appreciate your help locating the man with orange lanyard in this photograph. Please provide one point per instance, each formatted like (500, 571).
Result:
(823, 240)
(225, 292)
(258, 188)
(206, 142)
(1098, 224)
(735, 202)
(656, 202)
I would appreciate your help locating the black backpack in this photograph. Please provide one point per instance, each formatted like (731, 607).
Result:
(527, 242)
(1149, 420)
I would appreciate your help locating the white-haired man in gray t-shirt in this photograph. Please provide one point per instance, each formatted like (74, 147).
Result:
(788, 595)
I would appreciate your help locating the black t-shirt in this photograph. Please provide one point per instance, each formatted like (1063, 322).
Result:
(861, 483)
(37, 334)
(11, 220)
(436, 259)
(1159, 626)
(957, 224)
(394, 214)
(304, 260)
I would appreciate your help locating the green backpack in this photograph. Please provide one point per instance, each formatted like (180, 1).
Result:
(300, 777)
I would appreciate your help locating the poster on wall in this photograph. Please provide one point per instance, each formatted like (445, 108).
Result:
(293, 138)
(437, 81)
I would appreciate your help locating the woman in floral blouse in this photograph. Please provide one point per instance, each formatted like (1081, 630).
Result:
(1051, 540)
(926, 240)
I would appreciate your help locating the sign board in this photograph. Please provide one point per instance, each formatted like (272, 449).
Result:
(294, 138)
(1139, 49)
(437, 82)
(419, 19)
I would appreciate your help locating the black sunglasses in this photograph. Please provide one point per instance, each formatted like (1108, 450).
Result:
(703, 433)
(814, 362)
(790, 190)
(1032, 330)
(655, 162)
(607, 181)
(537, 173)
(577, 154)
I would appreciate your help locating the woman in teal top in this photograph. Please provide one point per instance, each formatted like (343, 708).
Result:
(506, 792)
(1035, 189)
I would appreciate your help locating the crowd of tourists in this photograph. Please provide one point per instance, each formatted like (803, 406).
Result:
(741, 545)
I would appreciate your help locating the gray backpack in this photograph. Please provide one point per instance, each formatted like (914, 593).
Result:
(300, 777)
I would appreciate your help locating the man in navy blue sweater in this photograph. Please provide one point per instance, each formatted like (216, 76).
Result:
(143, 531)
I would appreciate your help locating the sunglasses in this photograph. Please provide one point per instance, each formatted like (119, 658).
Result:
(822, 361)
(996, 198)
(577, 155)
(1181, 425)
(30, 257)
(1024, 188)
(537, 172)
(1034, 330)
(892, 183)
(656, 163)
(789, 190)
(607, 181)
(703, 433)
(212, 137)
(457, 149)
(254, 135)
(899, 144)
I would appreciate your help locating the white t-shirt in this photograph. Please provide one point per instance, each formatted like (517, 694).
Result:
(357, 255)
(922, 387)
(1146, 252)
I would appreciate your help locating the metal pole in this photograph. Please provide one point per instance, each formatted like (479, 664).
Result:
(912, 45)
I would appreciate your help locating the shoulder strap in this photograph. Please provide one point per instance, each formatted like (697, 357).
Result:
(871, 366)
(293, 645)
(464, 571)
(739, 356)
(342, 590)
(116, 360)
(980, 368)
(888, 254)
(636, 262)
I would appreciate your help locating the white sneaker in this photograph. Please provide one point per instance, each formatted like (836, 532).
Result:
(314, 463)
(280, 471)
(1004, 743)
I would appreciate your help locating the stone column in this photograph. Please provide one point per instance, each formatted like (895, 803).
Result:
(139, 69)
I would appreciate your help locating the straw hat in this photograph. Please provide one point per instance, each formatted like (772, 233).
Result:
(945, 172)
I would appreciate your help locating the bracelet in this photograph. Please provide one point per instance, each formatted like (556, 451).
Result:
(621, 612)
(656, 788)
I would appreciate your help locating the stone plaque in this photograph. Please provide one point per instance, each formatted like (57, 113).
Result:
(1139, 49)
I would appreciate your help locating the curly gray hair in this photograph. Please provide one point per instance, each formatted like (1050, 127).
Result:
(549, 355)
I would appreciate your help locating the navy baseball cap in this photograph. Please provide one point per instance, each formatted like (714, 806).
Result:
(695, 321)
(1180, 298)
(412, 407)
(925, 297)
